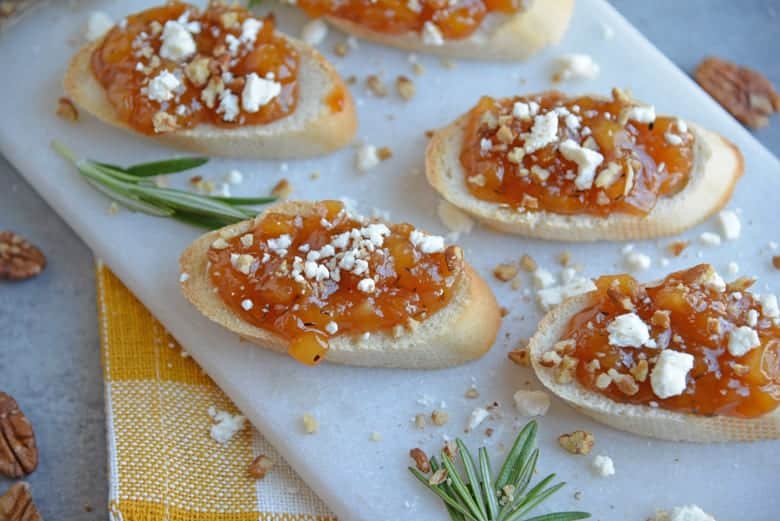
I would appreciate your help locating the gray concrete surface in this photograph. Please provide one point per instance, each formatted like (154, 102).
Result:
(49, 344)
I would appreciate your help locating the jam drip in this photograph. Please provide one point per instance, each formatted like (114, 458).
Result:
(310, 278)
(718, 345)
(575, 155)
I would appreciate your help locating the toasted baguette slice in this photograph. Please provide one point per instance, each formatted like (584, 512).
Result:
(462, 331)
(499, 38)
(717, 165)
(638, 419)
(311, 130)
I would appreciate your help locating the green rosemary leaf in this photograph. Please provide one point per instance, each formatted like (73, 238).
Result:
(524, 478)
(166, 166)
(532, 501)
(253, 3)
(487, 483)
(130, 203)
(560, 516)
(447, 499)
(464, 494)
(471, 474)
(516, 459)
(243, 200)
(179, 199)
(201, 221)
(109, 170)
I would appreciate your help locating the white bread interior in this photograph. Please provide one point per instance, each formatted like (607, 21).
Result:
(499, 38)
(717, 166)
(312, 129)
(463, 330)
(638, 419)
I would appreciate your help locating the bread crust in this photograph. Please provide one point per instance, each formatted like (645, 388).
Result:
(718, 164)
(500, 38)
(464, 330)
(312, 129)
(638, 419)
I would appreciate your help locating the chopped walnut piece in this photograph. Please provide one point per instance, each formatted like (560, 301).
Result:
(564, 374)
(622, 300)
(564, 258)
(418, 69)
(528, 263)
(472, 393)
(550, 359)
(282, 189)
(16, 504)
(341, 49)
(405, 87)
(384, 153)
(639, 371)
(520, 356)
(260, 466)
(67, 110)
(310, 424)
(505, 134)
(677, 247)
(503, 311)
(420, 460)
(747, 94)
(19, 259)
(577, 442)
(7, 8)
(516, 283)
(197, 71)
(776, 261)
(740, 284)
(505, 272)
(419, 421)
(661, 318)
(438, 477)
(164, 122)
(376, 86)
(529, 201)
(450, 449)
(439, 417)
(624, 382)
(229, 19)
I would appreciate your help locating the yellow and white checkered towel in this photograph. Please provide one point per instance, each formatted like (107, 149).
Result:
(163, 463)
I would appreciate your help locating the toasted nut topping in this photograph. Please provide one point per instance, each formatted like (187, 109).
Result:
(418, 69)
(18, 451)
(310, 424)
(67, 110)
(341, 49)
(376, 86)
(661, 319)
(677, 247)
(420, 460)
(405, 87)
(504, 311)
(505, 272)
(520, 356)
(18, 258)
(453, 256)
(439, 417)
(438, 477)
(282, 189)
(260, 466)
(17, 504)
(564, 258)
(528, 263)
(639, 371)
(564, 374)
(620, 299)
(450, 449)
(776, 262)
(505, 134)
(419, 421)
(577, 442)
(164, 122)
(384, 153)
(472, 393)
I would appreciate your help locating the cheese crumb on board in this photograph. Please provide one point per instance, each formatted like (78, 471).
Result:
(431, 34)
(476, 417)
(366, 158)
(98, 24)
(683, 513)
(226, 425)
(709, 239)
(314, 32)
(604, 466)
(577, 67)
(730, 225)
(532, 403)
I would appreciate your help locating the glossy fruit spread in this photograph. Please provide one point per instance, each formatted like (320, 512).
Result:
(175, 67)
(691, 343)
(436, 20)
(328, 273)
(574, 155)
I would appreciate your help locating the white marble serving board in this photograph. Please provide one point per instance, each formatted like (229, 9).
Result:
(358, 478)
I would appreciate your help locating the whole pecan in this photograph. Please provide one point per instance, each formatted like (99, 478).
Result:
(18, 258)
(748, 95)
(18, 452)
(17, 504)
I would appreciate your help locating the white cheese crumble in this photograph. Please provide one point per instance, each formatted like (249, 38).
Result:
(742, 340)
(258, 92)
(712, 279)
(247, 304)
(366, 158)
(184, 277)
(673, 139)
(733, 268)
(689, 513)
(769, 305)
(587, 161)
(604, 466)
(730, 224)
(98, 24)
(234, 177)
(637, 261)
(431, 34)
(543, 132)
(628, 330)
(668, 377)
(543, 278)
(226, 425)
(177, 42)
(552, 296)
(532, 403)
(331, 328)
(476, 417)
(426, 243)
(522, 110)
(577, 67)
(641, 113)
(709, 239)
(162, 87)
(314, 32)
(228, 105)
(367, 285)
(752, 317)
(249, 30)
(455, 219)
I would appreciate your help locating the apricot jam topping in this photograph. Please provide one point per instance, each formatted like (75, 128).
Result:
(174, 67)
(691, 343)
(574, 155)
(436, 20)
(310, 278)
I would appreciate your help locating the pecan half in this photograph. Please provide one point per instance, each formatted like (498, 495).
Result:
(748, 95)
(17, 504)
(18, 258)
(18, 452)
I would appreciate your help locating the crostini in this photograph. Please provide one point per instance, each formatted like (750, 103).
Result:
(217, 81)
(687, 358)
(315, 281)
(581, 168)
(476, 29)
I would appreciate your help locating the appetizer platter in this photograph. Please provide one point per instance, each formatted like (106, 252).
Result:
(453, 254)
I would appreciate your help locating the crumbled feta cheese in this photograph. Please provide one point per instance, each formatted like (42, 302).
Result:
(280, 244)
(431, 34)
(712, 279)
(426, 243)
(228, 105)
(247, 304)
(689, 513)
(184, 277)
(226, 425)
(628, 330)
(587, 161)
(98, 24)
(752, 317)
(552, 296)
(247, 240)
(532, 403)
(733, 268)
(367, 285)
(673, 139)
(543, 278)
(177, 42)
(476, 417)
(543, 132)
(258, 92)
(249, 30)
(604, 466)
(668, 377)
(366, 158)
(709, 239)
(522, 110)
(641, 113)
(455, 219)
(234, 177)
(577, 67)
(637, 261)
(314, 32)
(729, 224)
(162, 87)
(769, 305)
(331, 328)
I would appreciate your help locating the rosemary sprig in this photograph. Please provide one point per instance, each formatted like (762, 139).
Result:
(476, 496)
(132, 188)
